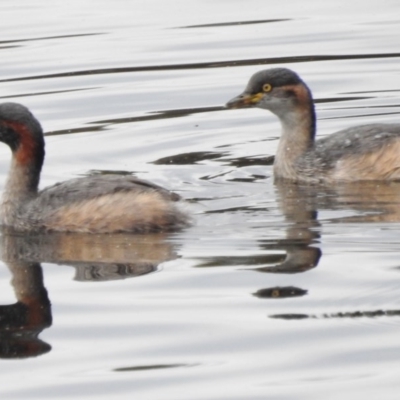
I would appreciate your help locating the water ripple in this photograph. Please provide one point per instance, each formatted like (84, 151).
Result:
(209, 64)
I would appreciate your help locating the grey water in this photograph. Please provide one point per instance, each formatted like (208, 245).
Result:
(276, 291)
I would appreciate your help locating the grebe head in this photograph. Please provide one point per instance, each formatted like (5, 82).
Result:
(278, 90)
(20, 130)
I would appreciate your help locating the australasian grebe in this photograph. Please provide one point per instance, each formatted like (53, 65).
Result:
(366, 152)
(97, 204)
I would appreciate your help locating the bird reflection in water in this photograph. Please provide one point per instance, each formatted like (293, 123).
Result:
(306, 208)
(360, 202)
(356, 203)
(95, 258)
(300, 243)
(22, 322)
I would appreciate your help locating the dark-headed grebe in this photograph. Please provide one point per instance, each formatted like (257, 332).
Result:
(97, 204)
(367, 152)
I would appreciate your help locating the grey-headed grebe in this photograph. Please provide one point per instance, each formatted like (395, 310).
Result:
(97, 204)
(366, 152)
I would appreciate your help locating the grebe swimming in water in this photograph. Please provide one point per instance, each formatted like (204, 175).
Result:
(97, 204)
(366, 152)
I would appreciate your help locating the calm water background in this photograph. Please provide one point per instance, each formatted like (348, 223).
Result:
(275, 292)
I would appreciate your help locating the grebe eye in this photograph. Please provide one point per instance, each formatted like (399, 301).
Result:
(267, 87)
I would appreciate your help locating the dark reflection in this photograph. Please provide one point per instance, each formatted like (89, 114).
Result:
(14, 96)
(22, 322)
(162, 114)
(340, 99)
(262, 21)
(353, 314)
(150, 367)
(289, 316)
(253, 178)
(299, 258)
(51, 37)
(370, 114)
(86, 128)
(240, 162)
(257, 259)
(212, 64)
(94, 257)
(189, 158)
(211, 177)
(373, 91)
(8, 47)
(280, 292)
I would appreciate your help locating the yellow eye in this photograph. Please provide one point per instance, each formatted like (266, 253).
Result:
(267, 87)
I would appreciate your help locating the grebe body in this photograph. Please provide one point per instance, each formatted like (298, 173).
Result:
(97, 204)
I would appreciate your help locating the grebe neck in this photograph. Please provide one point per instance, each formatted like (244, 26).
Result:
(297, 137)
(22, 182)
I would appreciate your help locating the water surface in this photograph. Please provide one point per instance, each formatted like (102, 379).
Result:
(277, 291)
